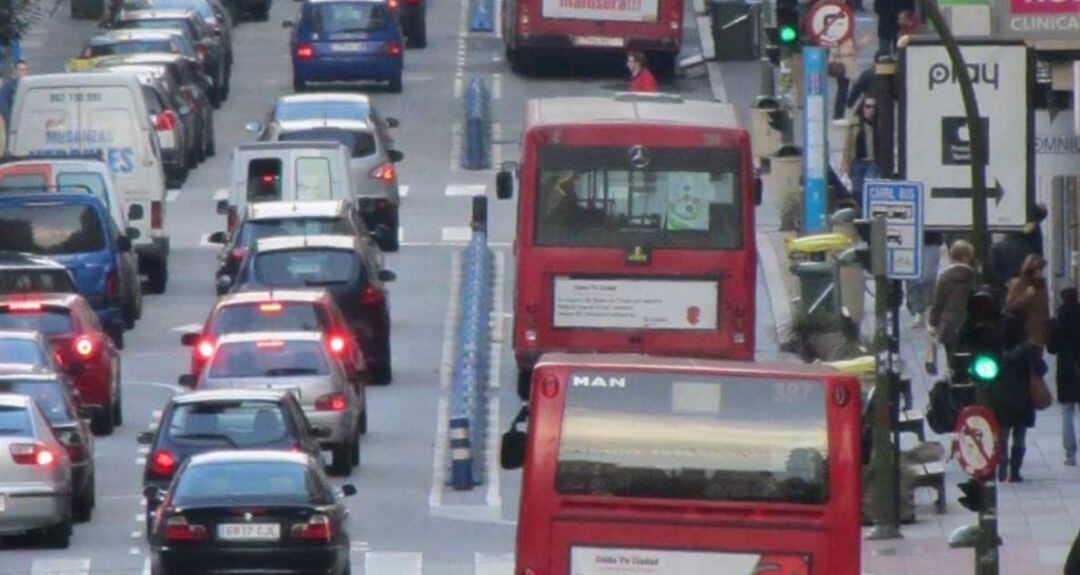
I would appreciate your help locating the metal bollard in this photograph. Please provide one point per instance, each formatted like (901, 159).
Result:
(461, 467)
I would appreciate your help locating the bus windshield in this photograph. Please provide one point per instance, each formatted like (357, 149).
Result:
(663, 198)
(692, 437)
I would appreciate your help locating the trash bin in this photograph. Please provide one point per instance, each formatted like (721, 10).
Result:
(735, 30)
(815, 286)
(785, 167)
(764, 139)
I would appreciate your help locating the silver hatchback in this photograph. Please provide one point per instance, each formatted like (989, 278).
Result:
(35, 474)
(302, 363)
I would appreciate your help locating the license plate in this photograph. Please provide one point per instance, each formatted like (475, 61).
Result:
(249, 531)
(3, 503)
(601, 41)
(349, 47)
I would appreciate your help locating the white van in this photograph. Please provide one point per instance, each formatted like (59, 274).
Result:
(104, 113)
(285, 171)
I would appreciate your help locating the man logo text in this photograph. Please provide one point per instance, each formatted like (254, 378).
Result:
(585, 381)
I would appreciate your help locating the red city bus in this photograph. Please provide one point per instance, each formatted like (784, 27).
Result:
(669, 466)
(615, 26)
(635, 229)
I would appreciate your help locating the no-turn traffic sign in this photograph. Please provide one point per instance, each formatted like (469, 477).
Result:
(830, 22)
(977, 435)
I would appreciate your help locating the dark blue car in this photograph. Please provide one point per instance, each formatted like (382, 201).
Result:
(346, 41)
(76, 231)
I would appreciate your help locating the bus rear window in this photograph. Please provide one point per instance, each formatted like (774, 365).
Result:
(675, 436)
(667, 198)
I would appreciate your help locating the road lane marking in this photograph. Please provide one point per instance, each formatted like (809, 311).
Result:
(456, 234)
(403, 191)
(466, 190)
(457, 132)
(448, 244)
(134, 551)
(442, 419)
(188, 328)
(60, 567)
(496, 86)
(172, 195)
(494, 563)
(146, 567)
(393, 563)
(496, 147)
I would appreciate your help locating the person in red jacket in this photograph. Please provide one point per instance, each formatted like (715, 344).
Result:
(641, 79)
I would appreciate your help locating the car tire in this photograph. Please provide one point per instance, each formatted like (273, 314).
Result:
(58, 536)
(355, 452)
(342, 462)
(363, 421)
(103, 422)
(157, 276)
(117, 335)
(298, 85)
(382, 374)
(82, 505)
(263, 13)
(211, 143)
(395, 84)
(418, 35)
(118, 403)
(394, 244)
(138, 298)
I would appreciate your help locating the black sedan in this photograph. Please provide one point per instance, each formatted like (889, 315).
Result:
(242, 511)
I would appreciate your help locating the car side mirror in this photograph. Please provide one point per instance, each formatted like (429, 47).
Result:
(145, 437)
(321, 432)
(151, 493)
(395, 155)
(123, 243)
(189, 339)
(504, 185)
(222, 207)
(254, 127)
(512, 449)
(348, 490)
(133, 233)
(135, 212)
(288, 24)
(392, 122)
(186, 380)
(224, 284)
(387, 276)
(218, 238)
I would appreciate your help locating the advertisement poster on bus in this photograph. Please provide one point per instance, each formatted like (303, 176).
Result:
(1038, 19)
(618, 10)
(635, 304)
(623, 561)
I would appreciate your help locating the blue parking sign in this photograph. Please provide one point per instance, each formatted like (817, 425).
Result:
(901, 203)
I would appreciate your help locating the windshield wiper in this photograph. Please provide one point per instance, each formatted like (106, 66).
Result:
(291, 371)
(352, 30)
(220, 436)
(321, 283)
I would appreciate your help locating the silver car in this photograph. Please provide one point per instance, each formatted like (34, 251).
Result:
(352, 120)
(35, 474)
(300, 362)
(25, 352)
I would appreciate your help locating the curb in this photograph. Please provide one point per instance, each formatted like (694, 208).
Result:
(774, 282)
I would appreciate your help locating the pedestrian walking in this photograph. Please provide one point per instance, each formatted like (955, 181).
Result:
(1011, 396)
(860, 148)
(7, 91)
(641, 79)
(1065, 343)
(842, 67)
(948, 306)
(920, 292)
(1027, 297)
(1008, 254)
(888, 27)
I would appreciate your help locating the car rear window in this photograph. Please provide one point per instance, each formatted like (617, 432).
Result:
(35, 281)
(264, 179)
(346, 17)
(313, 180)
(22, 182)
(51, 228)
(15, 421)
(85, 182)
(24, 351)
(133, 47)
(307, 267)
(240, 482)
(269, 359)
(360, 144)
(268, 316)
(236, 424)
(50, 321)
(253, 230)
(158, 24)
(48, 395)
(321, 109)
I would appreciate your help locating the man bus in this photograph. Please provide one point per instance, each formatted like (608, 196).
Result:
(533, 28)
(668, 466)
(635, 229)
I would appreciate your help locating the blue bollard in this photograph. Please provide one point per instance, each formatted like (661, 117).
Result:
(461, 463)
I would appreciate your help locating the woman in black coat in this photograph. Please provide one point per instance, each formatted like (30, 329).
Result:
(1065, 342)
(1011, 396)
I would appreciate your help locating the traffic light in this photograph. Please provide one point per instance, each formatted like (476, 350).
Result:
(980, 339)
(787, 22)
(972, 498)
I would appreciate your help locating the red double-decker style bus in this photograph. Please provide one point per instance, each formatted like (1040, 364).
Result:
(668, 466)
(635, 229)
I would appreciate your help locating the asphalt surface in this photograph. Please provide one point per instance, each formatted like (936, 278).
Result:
(403, 520)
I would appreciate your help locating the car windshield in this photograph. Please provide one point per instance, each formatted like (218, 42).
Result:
(15, 421)
(236, 424)
(253, 230)
(203, 9)
(344, 17)
(305, 267)
(289, 110)
(51, 228)
(49, 396)
(272, 358)
(25, 351)
(20, 182)
(133, 47)
(48, 321)
(35, 281)
(360, 144)
(156, 24)
(76, 182)
(267, 316)
(245, 482)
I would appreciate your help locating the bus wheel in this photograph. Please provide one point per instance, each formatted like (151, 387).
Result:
(524, 383)
(519, 60)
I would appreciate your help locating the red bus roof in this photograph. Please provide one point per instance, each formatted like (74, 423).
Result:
(638, 361)
(625, 108)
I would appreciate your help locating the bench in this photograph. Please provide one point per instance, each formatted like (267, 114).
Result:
(911, 421)
(931, 475)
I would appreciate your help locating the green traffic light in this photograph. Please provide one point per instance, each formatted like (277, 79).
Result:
(788, 34)
(984, 368)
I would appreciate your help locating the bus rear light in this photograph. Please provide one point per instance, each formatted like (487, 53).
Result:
(549, 386)
(674, 24)
(157, 216)
(524, 21)
(841, 396)
(530, 335)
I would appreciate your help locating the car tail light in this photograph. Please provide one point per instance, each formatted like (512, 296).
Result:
(230, 219)
(165, 122)
(318, 528)
(371, 296)
(235, 257)
(24, 306)
(305, 51)
(270, 307)
(178, 530)
(84, 347)
(156, 215)
(201, 51)
(383, 172)
(111, 286)
(205, 348)
(32, 454)
(392, 49)
(331, 402)
(392, 5)
(75, 447)
(162, 464)
(337, 344)
(413, 2)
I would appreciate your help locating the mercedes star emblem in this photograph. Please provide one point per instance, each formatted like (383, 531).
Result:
(639, 156)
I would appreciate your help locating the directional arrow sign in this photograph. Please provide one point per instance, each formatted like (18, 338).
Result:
(997, 193)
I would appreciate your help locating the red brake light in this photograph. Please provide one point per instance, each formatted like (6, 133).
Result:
(392, 5)
(178, 530)
(331, 402)
(318, 528)
(156, 215)
(162, 464)
(84, 347)
(32, 454)
(268, 179)
(236, 256)
(166, 121)
(112, 290)
(305, 52)
(337, 344)
(384, 172)
(392, 49)
(271, 307)
(205, 348)
(76, 451)
(371, 296)
(24, 306)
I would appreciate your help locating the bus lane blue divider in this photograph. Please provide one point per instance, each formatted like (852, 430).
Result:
(480, 19)
(468, 407)
(477, 155)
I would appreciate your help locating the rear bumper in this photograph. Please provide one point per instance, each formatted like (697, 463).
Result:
(214, 560)
(567, 41)
(342, 430)
(95, 387)
(335, 69)
(33, 508)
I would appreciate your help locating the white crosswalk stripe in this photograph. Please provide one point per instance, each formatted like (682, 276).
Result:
(60, 567)
(393, 563)
(466, 190)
